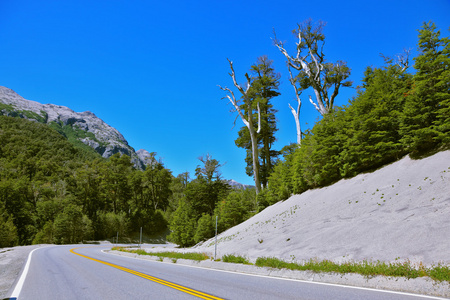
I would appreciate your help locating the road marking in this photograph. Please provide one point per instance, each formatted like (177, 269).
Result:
(19, 285)
(151, 278)
(300, 280)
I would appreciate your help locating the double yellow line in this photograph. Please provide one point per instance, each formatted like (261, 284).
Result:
(151, 278)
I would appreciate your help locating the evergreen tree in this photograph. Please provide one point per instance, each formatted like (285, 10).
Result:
(372, 120)
(183, 225)
(205, 228)
(264, 87)
(425, 121)
(189, 222)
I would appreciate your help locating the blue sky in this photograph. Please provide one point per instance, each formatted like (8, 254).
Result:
(151, 69)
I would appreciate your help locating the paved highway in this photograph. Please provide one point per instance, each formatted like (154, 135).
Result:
(70, 272)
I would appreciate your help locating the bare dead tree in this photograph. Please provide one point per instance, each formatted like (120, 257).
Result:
(402, 60)
(313, 69)
(296, 113)
(247, 120)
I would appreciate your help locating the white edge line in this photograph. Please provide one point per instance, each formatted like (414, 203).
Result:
(291, 279)
(20, 282)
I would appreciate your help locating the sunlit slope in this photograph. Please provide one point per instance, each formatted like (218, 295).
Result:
(399, 211)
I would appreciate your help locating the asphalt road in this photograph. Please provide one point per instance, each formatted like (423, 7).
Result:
(56, 272)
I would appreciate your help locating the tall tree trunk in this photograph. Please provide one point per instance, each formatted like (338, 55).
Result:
(247, 121)
(296, 115)
(254, 152)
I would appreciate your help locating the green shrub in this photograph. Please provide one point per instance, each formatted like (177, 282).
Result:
(366, 268)
(230, 258)
(171, 255)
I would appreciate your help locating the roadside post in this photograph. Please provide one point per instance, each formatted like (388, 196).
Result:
(215, 246)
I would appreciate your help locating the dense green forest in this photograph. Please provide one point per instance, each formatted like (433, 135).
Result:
(54, 190)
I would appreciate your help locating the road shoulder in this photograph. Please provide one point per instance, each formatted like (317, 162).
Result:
(422, 285)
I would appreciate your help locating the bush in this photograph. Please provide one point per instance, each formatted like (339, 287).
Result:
(230, 258)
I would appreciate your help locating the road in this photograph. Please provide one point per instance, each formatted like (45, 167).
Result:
(70, 272)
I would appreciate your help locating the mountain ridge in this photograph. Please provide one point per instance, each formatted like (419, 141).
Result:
(86, 126)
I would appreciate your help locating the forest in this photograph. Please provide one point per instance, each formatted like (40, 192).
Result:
(55, 191)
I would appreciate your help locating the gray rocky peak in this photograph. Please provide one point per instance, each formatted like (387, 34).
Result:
(94, 132)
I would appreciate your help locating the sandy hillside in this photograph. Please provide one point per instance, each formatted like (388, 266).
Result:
(399, 211)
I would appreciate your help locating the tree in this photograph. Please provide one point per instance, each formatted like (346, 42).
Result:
(205, 228)
(280, 179)
(263, 88)
(183, 225)
(8, 232)
(210, 170)
(426, 117)
(177, 187)
(296, 112)
(372, 121)
(204, 192)
(157, 181)
(233, 210)
(314, 70)
(71, 226)
(247, 120)
(116, 183)
(189, 221)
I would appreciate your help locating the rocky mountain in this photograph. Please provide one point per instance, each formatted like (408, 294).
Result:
(236, 185)
(84, 127)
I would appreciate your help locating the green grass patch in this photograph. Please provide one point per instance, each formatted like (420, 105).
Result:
(366, 268)
(230, 258)
(172, 255)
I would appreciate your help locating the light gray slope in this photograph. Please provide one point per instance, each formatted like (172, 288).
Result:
(399, 211)
(103, 138)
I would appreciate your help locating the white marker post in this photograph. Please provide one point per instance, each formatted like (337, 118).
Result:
(215, 250)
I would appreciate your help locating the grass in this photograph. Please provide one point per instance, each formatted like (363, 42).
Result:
(366, 268)
(172, 255)
(230, 258)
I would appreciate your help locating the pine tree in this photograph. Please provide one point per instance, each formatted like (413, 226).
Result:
(425, 121)
(373, 120)
(183, 225)
(264, 87)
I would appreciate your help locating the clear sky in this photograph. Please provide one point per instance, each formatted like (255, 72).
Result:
(151, 69)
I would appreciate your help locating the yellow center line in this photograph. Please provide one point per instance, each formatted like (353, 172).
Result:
(151, 278)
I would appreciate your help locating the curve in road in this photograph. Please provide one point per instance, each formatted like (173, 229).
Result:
(152, 278)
